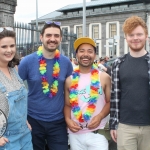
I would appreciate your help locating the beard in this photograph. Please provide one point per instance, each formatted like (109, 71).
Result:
(136, 45)
(49, 49)
(136, 49)
(84, 64)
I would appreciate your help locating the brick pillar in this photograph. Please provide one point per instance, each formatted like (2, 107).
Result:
(7, 10)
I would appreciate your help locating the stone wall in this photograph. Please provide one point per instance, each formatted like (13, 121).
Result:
(104, 15)
(7, 10)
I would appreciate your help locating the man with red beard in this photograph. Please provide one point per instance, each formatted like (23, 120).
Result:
(45, 72)
(130, 95)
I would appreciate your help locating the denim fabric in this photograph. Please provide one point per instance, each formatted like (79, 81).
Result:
(17, 132)
(55, 133)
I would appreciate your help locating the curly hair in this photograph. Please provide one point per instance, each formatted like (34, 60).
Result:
(7, 33)
(132, 22)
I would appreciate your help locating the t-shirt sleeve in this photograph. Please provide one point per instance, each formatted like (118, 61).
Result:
(101, 66)
(69, 69)
(23, 68)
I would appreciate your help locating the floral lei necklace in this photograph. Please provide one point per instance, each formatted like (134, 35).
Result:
(93, 94)
(50, 92)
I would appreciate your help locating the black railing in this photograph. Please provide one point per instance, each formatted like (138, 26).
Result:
(26, 40)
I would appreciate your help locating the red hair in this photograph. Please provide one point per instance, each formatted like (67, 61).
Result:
(132, 22)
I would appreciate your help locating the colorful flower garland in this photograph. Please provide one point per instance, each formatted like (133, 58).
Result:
(93, 94)
(50, 92)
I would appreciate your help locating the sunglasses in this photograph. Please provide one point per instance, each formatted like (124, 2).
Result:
(6, 28)
(53, 22)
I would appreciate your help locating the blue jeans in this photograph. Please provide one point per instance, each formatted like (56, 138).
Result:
(55, 133)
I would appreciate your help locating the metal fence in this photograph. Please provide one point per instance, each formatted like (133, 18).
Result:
(66, 46)
(26, 40)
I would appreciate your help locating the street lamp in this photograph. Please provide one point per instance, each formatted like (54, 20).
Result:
(84, 17)
(112, 43)
(37, 38)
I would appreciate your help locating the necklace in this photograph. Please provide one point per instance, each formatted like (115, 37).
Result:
(93, 94)
(50, 92)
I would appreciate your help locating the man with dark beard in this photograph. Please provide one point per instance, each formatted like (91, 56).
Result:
(45, 72)
(87, 95)
(130, 95)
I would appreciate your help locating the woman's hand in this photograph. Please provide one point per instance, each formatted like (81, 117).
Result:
(3, 141)
(29, 126)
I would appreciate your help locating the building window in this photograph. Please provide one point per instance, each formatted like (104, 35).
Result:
(95, 31)
(79, 31)
(112, 33)
(112, 38)
(64, 33)
(112, 30)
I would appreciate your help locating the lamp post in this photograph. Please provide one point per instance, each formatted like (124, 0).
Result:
(84, 17)
(37, 39)
(112, 43)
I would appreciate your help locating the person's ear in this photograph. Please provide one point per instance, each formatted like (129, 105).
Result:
(41, 38)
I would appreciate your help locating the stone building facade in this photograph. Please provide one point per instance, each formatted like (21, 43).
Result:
(104, 22)
(7, 10)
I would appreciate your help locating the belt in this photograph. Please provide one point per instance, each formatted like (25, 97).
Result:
(103, 132)
(96, 131)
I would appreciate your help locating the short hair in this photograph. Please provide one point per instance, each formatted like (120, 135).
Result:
(49, 26)
(101, 59)
(132, 22)
(7, 33)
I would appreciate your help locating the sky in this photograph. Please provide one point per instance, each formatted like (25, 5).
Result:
(26, 9)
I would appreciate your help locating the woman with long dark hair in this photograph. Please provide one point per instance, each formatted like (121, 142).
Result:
(14, 132)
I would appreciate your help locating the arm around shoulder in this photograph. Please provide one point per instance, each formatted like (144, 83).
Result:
(23, 68)
(106, 84)
(67, 108)
(69, 69)
(114, 103)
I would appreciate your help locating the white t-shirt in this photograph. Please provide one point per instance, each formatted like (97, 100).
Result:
(101, 67)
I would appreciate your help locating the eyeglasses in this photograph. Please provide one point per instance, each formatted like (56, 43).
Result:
(6, 28)
(53, 22)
